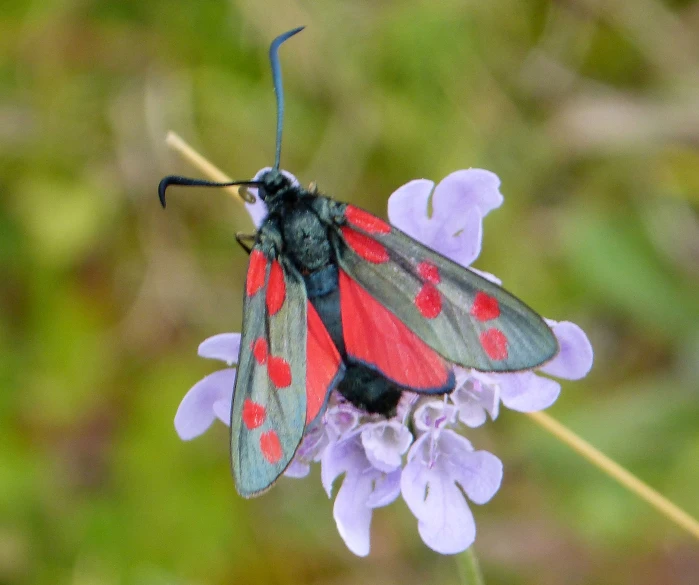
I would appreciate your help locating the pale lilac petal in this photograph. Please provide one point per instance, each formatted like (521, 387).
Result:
(460, 238)
(196, 411)
(342, 457)
(405, 405)
(297, 469)
(222, 409)
(478, 472)
(407, 207)
(434, 414)
(527, 392)
(224, 347)
(486, 275)
(445, 522)
(258, 210)
(386, 490)
(475, 395)
(574, 359)
(341, 419)
(385, 443)
(351, 513)
(314, 443)
(472, 414)
(463, 191)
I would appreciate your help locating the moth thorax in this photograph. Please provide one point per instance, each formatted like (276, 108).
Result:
(306, 240)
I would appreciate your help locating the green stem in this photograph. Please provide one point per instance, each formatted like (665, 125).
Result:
(469, 568)
(668, 509)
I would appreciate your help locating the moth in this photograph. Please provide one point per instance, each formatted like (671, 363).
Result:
(338, 299)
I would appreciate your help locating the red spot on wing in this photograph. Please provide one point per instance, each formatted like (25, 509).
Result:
(429, 272)
(366, 247)
(485, 307)
(260, 350)
(276, 288)
(254, 414)
(257, 268)
(428, 301)
(279, 371)
(270, 446)
(365, 221)
(494, 343)
(377, 337)
(322, 364)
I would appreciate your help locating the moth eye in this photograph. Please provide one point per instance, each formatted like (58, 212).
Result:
(494, 343)
(271, 446)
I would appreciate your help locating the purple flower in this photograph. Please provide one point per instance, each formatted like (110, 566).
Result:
(418, 453)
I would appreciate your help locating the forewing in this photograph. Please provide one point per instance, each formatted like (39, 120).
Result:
(465, 318)
(269, 403)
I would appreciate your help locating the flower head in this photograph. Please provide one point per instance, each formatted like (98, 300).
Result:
(418, 453)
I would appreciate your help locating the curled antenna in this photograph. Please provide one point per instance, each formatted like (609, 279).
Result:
(187, 182)
(278, 89)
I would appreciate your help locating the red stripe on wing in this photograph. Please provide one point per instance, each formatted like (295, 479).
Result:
(323, 363)
(375, 336)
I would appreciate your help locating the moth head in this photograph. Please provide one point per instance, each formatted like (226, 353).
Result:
(272, 184)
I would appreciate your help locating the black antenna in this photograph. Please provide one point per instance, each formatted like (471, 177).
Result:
(187, 182)
(278, 89)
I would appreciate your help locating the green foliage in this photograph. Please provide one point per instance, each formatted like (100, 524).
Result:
(586, 110)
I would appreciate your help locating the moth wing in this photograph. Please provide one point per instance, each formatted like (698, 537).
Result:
(276, 393)
(464, 317)
(375, 337)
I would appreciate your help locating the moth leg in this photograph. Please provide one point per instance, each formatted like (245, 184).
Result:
(245, 240)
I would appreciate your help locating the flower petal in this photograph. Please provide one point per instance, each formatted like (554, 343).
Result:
(478, 472)
(445, 521)
(434, 414)
(222, 409)
(224, 347)
(351, 513)
(385, 443)
(459, 238)
(486, 275)
(407, 207)
(527, 392)
(196, 411)
(475, 395)
(386, 490)
(574, 359)
(463, 191)
(297, 469)
(341, 457)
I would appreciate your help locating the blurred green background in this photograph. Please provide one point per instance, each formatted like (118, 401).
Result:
(588, 110)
